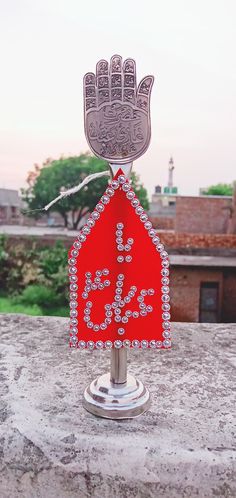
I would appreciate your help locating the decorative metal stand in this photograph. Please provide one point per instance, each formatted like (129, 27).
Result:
(117, 395)
(118, 266)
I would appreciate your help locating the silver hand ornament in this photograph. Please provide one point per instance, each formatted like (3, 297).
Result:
(116, 111)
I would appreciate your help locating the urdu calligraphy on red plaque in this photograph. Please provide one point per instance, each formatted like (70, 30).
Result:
(119, 276)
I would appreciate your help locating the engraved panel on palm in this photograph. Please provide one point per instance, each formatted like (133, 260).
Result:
(117, 112)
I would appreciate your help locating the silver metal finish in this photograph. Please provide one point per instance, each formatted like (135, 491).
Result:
(118, 366)
(126, 168)
(116, 401)
(117, 111)
(118, 129)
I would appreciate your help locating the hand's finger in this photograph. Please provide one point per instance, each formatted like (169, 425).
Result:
(116, 77)
(144, 92)
(102, 82)
(90, 99)
(129, 70)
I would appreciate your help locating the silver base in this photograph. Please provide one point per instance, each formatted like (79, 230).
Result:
(116, 401)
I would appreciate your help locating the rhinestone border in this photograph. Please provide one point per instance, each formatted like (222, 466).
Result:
(122, 183)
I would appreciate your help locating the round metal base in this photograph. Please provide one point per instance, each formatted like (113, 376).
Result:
(116, 401)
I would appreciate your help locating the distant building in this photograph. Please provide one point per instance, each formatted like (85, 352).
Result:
(10, 206)
(203, 288)
(163, 204)
(192, 214)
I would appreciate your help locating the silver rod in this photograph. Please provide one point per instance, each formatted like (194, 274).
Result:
(118, 374)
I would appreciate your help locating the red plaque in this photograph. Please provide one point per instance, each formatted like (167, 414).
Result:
(119, 276)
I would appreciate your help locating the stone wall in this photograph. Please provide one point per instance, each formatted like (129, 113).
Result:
(52, 448)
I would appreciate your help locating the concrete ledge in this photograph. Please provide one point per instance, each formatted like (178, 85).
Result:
(51, 448)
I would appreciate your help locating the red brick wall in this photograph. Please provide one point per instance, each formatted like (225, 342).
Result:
(174, 240)
(163, 222)
(202, 214)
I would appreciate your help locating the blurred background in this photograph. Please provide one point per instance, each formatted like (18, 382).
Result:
(186, 180)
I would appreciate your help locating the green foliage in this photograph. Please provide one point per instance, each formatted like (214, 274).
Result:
(46, 182)
(35, 278)
(8, 305)
(65, 173)
(37, 294)
(140, 190)
(219, 189)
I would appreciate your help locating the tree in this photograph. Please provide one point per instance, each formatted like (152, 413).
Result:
(219, 189)
(46, 182)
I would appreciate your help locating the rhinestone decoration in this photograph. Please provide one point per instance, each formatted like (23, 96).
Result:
(99, 344)
(165, 289)
(166, 316)
(166, 325)
(126, 187)
(100, 208)
(115, 184)
(165, 307)
(135, 202)
(152, 344)
(121, 331)
(113, 311)
(121, 179)
(108, 344)
(135, 344)
(73, 287)
(126, 343)
(95, 215)
(167, 343)
(86, 230)
(105, 199)
(90, 345)
(166, 334)
(118, 344)
(110, 192)
(90, 222)
(74, 339)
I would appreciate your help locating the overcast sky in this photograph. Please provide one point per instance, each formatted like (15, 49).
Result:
(189, 46)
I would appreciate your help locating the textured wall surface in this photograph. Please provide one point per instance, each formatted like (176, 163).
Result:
(185, 291)
(203, 214)
(183, 243)
(51, 448)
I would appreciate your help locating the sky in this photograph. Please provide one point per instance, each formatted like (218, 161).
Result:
(188, 45)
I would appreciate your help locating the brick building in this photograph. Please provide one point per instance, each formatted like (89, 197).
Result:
(10, 205)
(203, 288)
(199, 233)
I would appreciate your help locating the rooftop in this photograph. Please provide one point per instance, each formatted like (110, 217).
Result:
(216, 261)
(51, 447)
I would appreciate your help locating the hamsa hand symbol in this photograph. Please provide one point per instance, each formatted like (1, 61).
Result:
(117, 112)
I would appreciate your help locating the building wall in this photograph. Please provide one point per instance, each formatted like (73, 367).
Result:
(229, 296)
(199, 243)
(185, 285)
(163, 222)
(203, 214)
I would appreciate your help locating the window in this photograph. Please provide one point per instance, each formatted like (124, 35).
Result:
(209, 302)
